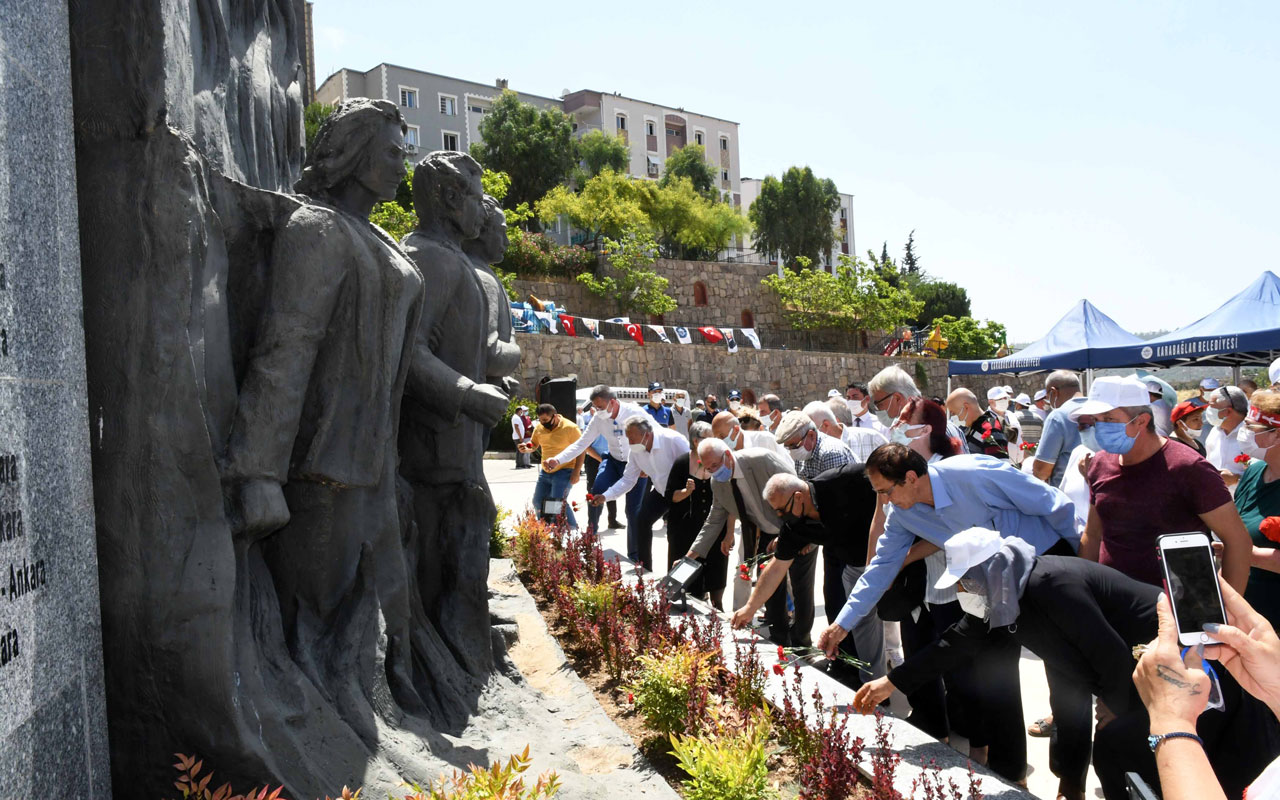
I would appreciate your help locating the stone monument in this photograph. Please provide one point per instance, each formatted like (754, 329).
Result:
(52, 711)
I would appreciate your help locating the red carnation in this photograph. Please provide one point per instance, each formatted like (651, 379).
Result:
(782, 654)
(1270, 528)
(631, 698)
(986, 427)
(778, 669)
(1241, 459)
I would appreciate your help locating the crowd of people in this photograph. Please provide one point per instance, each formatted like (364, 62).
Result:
(954, 532)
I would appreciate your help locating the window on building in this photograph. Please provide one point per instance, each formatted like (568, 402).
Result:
(621, 121)
(748, 319)
(699, 294)
(724, 174)
(411, 137)
(409, 98)
(449, 140)
(697, 137)
(448, 105)
(724, 143)
(648, 128)
(477, 109)
(841, 212)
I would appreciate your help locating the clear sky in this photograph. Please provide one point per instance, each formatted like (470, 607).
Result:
(1124, 152)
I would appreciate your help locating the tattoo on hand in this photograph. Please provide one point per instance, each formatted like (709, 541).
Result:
(1169, 676)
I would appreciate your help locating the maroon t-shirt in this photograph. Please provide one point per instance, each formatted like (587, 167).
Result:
(1167, 493)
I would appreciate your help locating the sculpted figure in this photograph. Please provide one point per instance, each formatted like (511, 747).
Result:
(450, 406)
(488, 248)
(311, 458)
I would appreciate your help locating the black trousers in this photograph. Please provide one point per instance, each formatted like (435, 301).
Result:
(652, 507)
(803, 574)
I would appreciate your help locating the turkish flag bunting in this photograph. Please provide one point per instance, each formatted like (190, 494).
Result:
(633, 330)
(712, 334)
(566, 322)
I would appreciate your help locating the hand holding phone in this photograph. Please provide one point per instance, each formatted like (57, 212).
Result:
(1191, 583)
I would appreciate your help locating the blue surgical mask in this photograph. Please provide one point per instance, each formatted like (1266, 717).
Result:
(723, 474)
(1089, 438)
(883, 416)
(898, 436)
(1111, 436)
(731, 441)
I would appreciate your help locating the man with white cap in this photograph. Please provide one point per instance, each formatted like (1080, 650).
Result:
(999, 399)
(1040, 404)
(521, 431)
(1161, 409)
(1142, 485)
(1080, 618)
(1030, 424)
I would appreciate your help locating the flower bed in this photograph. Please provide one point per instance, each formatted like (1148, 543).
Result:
(707, 726)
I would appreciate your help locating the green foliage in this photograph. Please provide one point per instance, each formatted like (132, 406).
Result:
(597, 151)
(792, 216)
(508, 280)
(497, 536)
(725, 767)
(686, 223)
(394, 219)
(495, 184)
(855, 298)
(312, 116)
(533, 146)
(922, 377)
(969, 339)
(664, 684)
(500, 436)
(630, 284)
(539, 254)
(690, 163)
(940, 299)
(606, 206)
(499, 782)
(592, 599)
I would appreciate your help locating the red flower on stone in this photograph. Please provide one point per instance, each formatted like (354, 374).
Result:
(1270, 528)
(744, 572)
(778, 669)
(782, 653)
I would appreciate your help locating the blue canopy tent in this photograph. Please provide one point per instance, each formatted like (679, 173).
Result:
(1069, 344)
(1243, 330)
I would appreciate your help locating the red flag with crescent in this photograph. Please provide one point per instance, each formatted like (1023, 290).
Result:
(633, 330)
(712, 334)
(566, 322)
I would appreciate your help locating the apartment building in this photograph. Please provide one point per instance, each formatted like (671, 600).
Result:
(442, 113)
(841, 220)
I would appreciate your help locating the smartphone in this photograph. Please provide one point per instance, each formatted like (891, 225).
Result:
(1191, 583)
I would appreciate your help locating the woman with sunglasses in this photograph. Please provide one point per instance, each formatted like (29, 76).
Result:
(1258, 498)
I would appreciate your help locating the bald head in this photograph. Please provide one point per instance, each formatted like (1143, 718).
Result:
(723, 422)
(712, 454)
(781, 487)
(963, 404)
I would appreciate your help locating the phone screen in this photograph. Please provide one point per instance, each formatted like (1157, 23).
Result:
(1193, 587)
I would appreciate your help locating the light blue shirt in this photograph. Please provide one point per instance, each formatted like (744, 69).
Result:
(969, 491)
(1059, 437)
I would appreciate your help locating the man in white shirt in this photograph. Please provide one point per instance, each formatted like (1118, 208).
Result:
(654, 449)
(860, 441)
(680, 414)
(858, 399)
(610, 416)
(520, 434)
(725, 427)
(1227, 409)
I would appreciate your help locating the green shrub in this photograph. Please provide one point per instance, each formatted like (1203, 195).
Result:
(536, 254)
(725, 766)
(498, 537)
(592, 599)
(666, 682)
(499, 782)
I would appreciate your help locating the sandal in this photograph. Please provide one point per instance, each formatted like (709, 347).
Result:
(1041, 728)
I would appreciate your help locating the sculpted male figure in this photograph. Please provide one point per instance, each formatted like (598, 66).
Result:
(503, 354)
(449, 409)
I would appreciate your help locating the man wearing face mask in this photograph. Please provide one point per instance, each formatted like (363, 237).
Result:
(1141, 485)
(656, 407)
(984, 432)
(1187, 418)
(1040, 405)
(858, 398)
(680, 415)
(890, 390)
(653, 451)
(553, 435)
(999, 402)
(1061, 435)
(737, 484)
(726, 428)
(770, 411)
(611, 414)
(1226, 411)
(735, 400)
(860, 441)
(812, 451)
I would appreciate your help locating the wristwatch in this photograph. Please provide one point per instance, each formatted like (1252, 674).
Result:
(1154, 741)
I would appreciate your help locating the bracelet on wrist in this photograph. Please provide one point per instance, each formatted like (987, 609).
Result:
(1155, 740)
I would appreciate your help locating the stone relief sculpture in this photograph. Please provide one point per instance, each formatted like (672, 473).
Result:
(450, 407)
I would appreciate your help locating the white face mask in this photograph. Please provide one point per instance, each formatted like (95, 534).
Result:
(638, 448)
(1000, 406)
(799, 454)
(974, 604)
(733, 405)
(1212, 417)
(1249, 444)
(656, 398)
(856, 407)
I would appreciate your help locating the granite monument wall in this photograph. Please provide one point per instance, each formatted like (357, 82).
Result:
(53, 728)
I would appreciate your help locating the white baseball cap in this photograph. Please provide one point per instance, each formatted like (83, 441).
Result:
(835, 393)
(1039, 395)
(1209, 383)
(1273, 371)
(1112, 392)
(997, 393)
(966, 550)
(1022, 399)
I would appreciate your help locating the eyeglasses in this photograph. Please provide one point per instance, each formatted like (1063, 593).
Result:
(882, 399)
(798, 443)
(889, 491)
(787, 508)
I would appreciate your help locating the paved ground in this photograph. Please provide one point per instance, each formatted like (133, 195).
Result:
(513, 489)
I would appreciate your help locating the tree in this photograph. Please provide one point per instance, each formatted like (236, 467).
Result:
(691, 162)
(597, 151)
(686, 224)
(940, 299)
(968, 339)
(629, 283)
(910, 262)
(534, 147)
(312, 116)
(607, 205)
(792, 216)
(854, 298)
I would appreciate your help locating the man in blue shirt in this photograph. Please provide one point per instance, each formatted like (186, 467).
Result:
(1060, 435)
(656, 407)
(937, 501)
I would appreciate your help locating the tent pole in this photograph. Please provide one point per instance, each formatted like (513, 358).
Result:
(1235, 374)
(1088, 379)
(948, 384)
